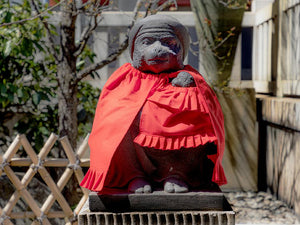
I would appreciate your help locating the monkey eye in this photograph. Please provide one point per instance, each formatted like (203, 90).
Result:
(147, 41)
(171, 42)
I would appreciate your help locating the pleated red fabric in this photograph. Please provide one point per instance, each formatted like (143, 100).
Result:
(171, 118)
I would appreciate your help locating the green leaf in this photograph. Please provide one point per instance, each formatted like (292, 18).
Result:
(27, 47)
(10, 96)
(8, 17)
(3, 89)
(7, 48)
(44, 96)
(20, 93)
(79, 64)
(36, 98)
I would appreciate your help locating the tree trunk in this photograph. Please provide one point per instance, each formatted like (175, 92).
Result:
(67, 112)
(66, 75)
(67, 104)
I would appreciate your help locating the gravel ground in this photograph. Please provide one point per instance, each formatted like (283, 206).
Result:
(260, 208)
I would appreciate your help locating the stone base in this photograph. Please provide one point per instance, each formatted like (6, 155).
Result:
(157, 201)
(158, 218)
(193, 208)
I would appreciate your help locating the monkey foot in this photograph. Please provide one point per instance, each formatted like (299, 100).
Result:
(139, 185)
(174, 185)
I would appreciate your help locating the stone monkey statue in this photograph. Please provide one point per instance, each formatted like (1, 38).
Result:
(157, 123)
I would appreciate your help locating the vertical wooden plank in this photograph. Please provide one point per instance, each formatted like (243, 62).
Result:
(279, 21)
(289, 42)
(297, 177)
(295, 41)
(265, 52)
(255, 53)
(260, 54)
(269, 55)
(297, 33)
(236, 74)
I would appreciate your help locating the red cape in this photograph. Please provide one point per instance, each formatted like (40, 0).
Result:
(121, 99)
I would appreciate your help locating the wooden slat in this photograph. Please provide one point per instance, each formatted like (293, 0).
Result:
(55, 191)
(60, 184)
(30, 214)
(22, 184)
(5, 221)
(37, 163)
(29, 150)
(79, 174)
(78, 171)
(48, 146)
(16, 195)
(28, 175)
(53, 162)
(30, 172)
(66, 175)
(25, 194)
(81, 203)
(73, 160)
(83, 147)
(1, 161)
(12, 149)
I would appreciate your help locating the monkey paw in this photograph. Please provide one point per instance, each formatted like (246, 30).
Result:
(173, 185)
(139, 185)
(183, 79)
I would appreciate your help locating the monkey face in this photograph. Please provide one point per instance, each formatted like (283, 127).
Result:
(157, 52)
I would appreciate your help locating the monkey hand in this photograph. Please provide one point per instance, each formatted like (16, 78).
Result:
(183, 79)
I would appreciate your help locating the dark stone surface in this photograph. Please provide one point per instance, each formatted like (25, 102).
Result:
(159, 201)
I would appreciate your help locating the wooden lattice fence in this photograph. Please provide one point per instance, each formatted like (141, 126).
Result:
(38, 163)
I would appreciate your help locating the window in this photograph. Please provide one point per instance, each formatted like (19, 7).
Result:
(247, 41)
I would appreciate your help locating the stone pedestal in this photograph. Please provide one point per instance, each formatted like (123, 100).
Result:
(193, 208)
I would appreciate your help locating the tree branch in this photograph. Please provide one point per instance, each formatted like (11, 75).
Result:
(86, 35)
(165, 5)
(68, 31)
(92, 7)
(222, 42)
(50, 42)
(229, 4)
(31, 18)
(93, 23)
(88, 70)
(113, 56)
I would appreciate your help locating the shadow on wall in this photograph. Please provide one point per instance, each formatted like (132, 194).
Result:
(240, 159)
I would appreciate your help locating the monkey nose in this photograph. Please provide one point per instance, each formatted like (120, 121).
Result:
(158, 49)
